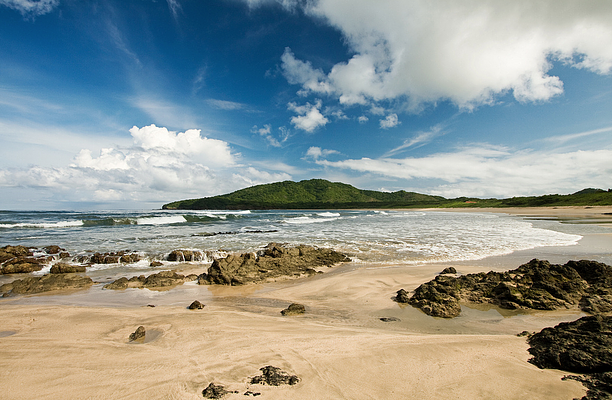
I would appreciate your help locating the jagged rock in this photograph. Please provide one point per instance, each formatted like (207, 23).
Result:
(582, 346)
(62, 268)
(45, 283)
(159, 280)
(276, 260)
(53, 249)
(140, 333)
(213, 391)
(185, 255)
(402, 296)
(294, 309)
(196, 305)
(125, 257)
(449, 270)
(274, 376)
(536, 285)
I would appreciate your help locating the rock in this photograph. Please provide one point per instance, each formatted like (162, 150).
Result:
(390, 319)
(8, 252)
(125, 257)
(45, 283)
(185, 255)
(249, 393)
(449, 270)
(156, 264)
(196, 305)
(294, 309)
(138, 334)
(536, 285)
(582, 346)
(275, 261)
(53, 249)
(274, 376)
(21, 266)
(163, 279)
(62, 268)
(213, 391)
(402, 296)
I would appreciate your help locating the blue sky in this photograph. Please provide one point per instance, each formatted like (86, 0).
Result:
(135, 103)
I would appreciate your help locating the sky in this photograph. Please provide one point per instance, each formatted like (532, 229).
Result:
(125, 104)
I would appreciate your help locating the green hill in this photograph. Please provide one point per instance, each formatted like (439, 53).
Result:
(314, 193)
(322, 194)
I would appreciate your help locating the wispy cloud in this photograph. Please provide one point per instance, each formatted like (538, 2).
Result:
(174, 7)
(573, 136)
(31, 8)
(226, 105)
(420, 139)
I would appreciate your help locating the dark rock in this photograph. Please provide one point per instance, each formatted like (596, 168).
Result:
(53, 249)
(9, 252)
(21, 266)
(156, 264)
(185, 255)
(124, 257)
(536, 285)
(249, 393)
(196, 305)
(45, 283)
(213, 391)
(62, 268)
(294, 309)
(402, 296)
(449, 270)
(274, 376)
(390, 319)
(583, 346)
(599, 385)
(139, 334)
(275, 261)
(162, 279)
(524, 333)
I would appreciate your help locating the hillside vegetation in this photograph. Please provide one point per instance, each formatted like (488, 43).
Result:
(322, 194)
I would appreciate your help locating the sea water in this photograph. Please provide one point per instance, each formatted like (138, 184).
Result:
(406, 237)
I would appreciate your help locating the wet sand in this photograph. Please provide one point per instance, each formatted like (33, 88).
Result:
(75, 346)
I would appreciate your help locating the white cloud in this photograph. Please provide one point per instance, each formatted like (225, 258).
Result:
(468, 52)
(487, 171)
(161, 166)
(174, 7)
(225, 105)
(390, 121)
(363, 119)
(316, 152)
(309, 117)
(418, 140)
(31, 8)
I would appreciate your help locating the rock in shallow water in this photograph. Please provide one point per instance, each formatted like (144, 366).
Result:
(45, 283)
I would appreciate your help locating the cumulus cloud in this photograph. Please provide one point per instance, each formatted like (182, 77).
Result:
(316, 152)
(363, 119)
(467, 52)
(31, 8)
(390, 121)
(161, 165)
(309, 116)
(492, 171)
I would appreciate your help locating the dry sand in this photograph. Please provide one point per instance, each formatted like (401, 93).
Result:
(75, 346)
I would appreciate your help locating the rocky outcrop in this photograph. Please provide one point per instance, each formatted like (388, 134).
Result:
(275, 261)
(124, 257)
(45, 283)
(583, 346)
(449, 270)
(294, 309)
(19, 260)
(213, 391)
(186, 255)
(274, 376)
(163, 279)
(536, 285)
(63, 268)
(138, 334)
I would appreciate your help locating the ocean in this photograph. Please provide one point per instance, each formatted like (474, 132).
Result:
(374, 237)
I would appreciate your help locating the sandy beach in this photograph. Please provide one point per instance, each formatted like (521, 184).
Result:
(75, 345)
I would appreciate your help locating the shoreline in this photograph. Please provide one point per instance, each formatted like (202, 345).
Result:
(75, 345)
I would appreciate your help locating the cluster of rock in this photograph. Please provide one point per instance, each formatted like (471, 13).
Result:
(45, 283)
(21, 259)
(536, 285)
(272, 376)
(275, 261)
(163, 279)
(583, 346)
